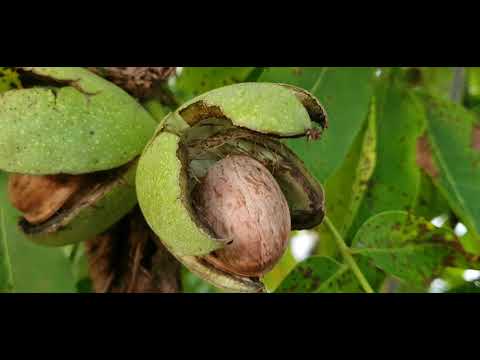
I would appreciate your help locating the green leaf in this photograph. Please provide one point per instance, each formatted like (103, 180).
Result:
(193, 284)
(345, 94)
(454, 138)
(430, 202)
(473, 87)
(409, 248)
(456, 280)
(34, 268)
(434, 80)
(346, 187)
(79, 263)
(311, 274)
(194, 81)
(6, 279)
(9, 79)
(323, 274)
(273, 278)
(395, 182)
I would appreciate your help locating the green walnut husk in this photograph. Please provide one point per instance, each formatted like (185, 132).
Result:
(244, 119)
(71, 121)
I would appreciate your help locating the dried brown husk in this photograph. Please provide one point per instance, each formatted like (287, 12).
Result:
(138, 81)
(128, 258)
(39, 197)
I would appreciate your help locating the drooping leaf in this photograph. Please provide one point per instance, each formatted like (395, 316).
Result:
(396, 179)
(345, 94)
(34, 268)
(194, 81)
(346, 187)
(406, 247)
(454, 142)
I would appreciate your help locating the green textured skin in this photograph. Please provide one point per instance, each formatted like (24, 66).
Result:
(93, 220)
(220, 279)
(161, 199)
(86, 124)
(263, 107)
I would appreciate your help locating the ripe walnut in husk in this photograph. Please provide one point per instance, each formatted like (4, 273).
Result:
(242, 203)
(247, 119)
(71, 141)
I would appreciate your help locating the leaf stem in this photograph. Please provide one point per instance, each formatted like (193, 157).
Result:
(345, 251)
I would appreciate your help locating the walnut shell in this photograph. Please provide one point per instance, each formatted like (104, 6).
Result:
(39, 197)
(240, 201)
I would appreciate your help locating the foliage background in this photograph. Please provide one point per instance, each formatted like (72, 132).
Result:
(400, 163)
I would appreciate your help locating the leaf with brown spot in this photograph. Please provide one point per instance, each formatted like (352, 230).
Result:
(395, 181)
(347, 186)
(476, 137)
(407, 247)
(321, 274)
(425, 157)
(453, 134)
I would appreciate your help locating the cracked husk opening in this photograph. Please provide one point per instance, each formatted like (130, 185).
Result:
(94, 187)
(211, 140)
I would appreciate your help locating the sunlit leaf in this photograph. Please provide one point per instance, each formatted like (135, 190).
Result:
(407, 247)
(346, 188)
(396, 179)
(286, 263)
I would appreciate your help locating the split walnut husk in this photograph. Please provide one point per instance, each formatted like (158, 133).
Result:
(248, 119)
(70, 141)
(57, 213)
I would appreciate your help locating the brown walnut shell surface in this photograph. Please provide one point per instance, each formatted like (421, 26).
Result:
(240, 201)
(39, 197)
